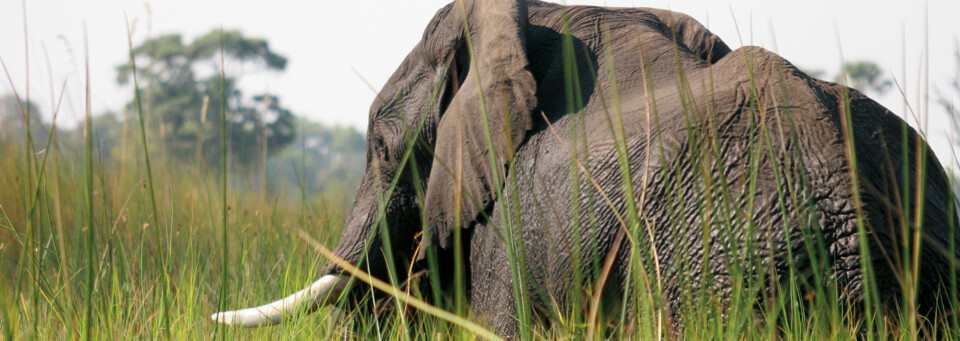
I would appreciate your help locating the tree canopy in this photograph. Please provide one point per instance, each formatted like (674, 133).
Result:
(13, 126)
(864, 76)
(181, 90)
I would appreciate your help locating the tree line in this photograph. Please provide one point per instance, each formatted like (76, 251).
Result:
(182, 97)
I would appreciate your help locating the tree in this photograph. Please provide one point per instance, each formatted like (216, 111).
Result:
(865, 76)
(12, 125)
(323, 160)
(186, 106)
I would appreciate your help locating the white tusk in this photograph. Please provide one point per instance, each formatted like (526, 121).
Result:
(326, 288)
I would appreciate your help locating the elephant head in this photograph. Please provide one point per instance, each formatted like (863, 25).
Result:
(468, 77)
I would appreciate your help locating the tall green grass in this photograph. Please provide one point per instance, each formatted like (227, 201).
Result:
(127, 248)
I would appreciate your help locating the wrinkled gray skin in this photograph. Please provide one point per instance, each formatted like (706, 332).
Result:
(519, 67)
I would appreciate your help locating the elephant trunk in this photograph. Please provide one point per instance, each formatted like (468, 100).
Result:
(327, 288)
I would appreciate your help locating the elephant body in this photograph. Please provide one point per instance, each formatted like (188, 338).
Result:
(606, 141)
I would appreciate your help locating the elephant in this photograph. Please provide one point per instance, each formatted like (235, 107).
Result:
(553, 148)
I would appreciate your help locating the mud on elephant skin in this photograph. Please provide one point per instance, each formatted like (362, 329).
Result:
(576, 124)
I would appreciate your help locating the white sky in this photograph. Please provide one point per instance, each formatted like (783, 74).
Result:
(326, 41)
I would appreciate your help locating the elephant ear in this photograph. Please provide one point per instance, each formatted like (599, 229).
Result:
(487, 118)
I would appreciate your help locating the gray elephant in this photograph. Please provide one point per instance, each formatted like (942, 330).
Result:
(559, 148)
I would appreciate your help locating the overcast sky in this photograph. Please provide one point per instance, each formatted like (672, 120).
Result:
(326, 41)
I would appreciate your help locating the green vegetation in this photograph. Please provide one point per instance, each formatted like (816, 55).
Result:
(186, 103)
(13, 125)
(89, 250)
(97, 242)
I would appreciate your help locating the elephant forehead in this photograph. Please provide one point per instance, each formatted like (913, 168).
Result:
(584, 20)
(628, 30)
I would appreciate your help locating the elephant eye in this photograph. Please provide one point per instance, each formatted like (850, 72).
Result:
(380, 148)
(386, 137)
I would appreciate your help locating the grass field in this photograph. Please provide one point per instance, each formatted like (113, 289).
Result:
(146, 247)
